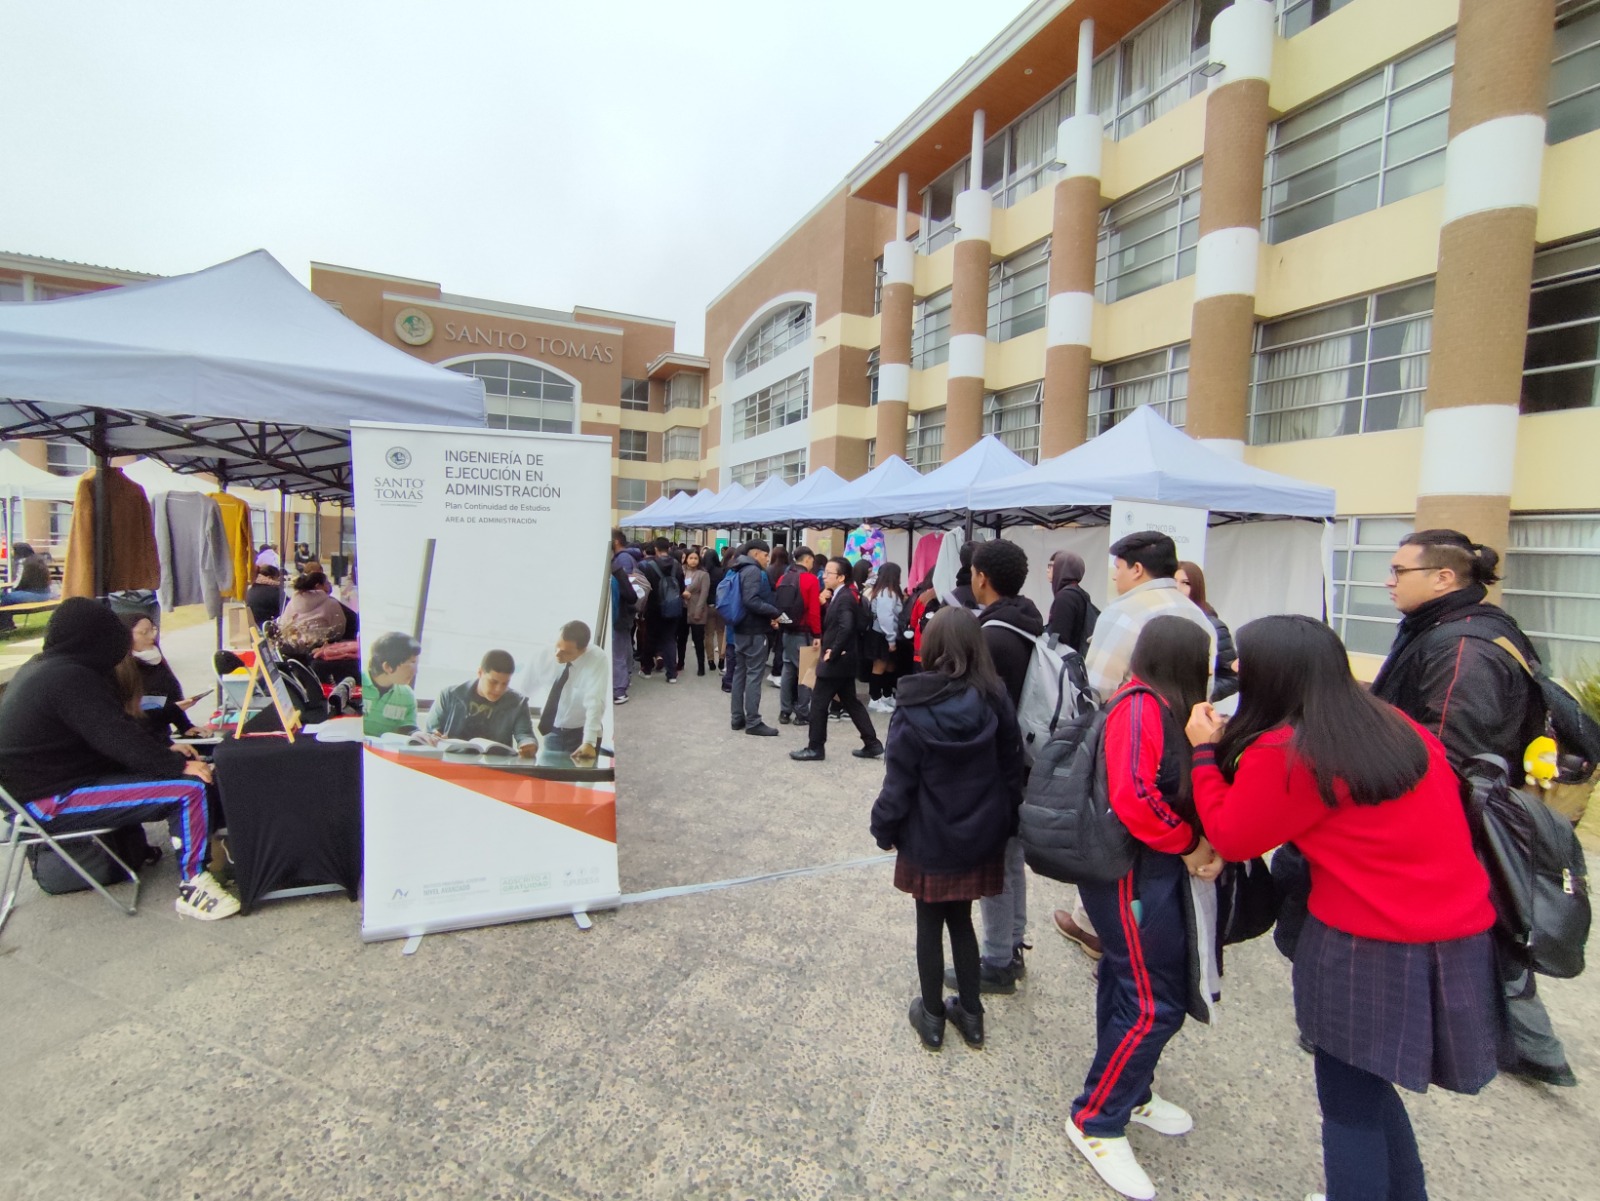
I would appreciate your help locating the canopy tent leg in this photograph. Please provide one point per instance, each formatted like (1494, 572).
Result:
(316, 527)
(102, 522)
(285, 556)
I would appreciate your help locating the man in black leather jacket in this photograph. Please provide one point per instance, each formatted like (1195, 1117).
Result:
(1446, 674)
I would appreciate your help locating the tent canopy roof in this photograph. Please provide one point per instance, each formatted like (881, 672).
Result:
(848, 503)
(793, 501)
(943, 496)
(1144, 458)
(237, 369)
(730, 506)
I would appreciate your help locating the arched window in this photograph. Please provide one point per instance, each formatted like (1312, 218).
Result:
(786, 328)
(520, 395)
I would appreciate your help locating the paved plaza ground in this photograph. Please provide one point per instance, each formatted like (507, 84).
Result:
(749, 1042)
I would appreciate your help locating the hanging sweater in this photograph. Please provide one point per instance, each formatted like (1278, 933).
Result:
(132, 560)
(241, 552)
(196, 561)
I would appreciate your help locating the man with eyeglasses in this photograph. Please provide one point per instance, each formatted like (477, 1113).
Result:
(1445, 673)
(842, 623)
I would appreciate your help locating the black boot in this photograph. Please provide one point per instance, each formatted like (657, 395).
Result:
(969, 1024)
(929, 1026)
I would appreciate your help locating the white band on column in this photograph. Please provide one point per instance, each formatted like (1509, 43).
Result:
(1225, 263)
(1079, 144)
(1241, 40)
(894, 382)
(899, 263)
(1232, 447)
(967, 355)
(1468, 450)
(973, 208)
(1069, 319)
(1493, 165)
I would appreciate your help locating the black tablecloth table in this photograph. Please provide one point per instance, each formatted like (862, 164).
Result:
(293, 812)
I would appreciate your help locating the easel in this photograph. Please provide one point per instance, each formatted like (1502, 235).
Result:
(287, 713)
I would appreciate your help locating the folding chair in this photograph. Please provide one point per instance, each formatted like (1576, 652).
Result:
(27, 831)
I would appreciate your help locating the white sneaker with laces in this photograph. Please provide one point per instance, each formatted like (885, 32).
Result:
(205, 899)
(1163, 1116)
(1113, 1159)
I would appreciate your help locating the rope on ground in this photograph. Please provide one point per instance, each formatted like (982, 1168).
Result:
(683, 890)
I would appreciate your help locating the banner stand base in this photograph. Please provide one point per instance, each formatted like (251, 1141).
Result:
(581, 916)
(411, 945)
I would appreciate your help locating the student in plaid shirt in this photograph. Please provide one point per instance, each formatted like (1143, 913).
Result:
(1142, 572)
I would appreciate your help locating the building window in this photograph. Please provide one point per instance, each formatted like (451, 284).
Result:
(524, 396)
(684, 391)
(1379, 140)
(1349, 368)
(1297, 16)
(1561, 366)
(789, 467)
(66, 458)
(1363, 615)
(1148, 238)
(939, 209)
(783, 330)
(305, 530)
(683, 442)
(1158, 65)
(636, 395)
(631, 495)
(1018, 293)
(61, 521)
(872, 453)
(673, 487)
(1160, 378)
(1552, 588)
(877, 285)
(872, 376)
(1013, 417)
(925, 439)
(930, 330)
(1024, 153)
(1575, 73)
(780, 404)
(633, 446)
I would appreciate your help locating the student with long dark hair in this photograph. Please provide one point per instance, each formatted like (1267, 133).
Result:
(887, 601)
(952, 784)
(1192, 583)
(1394, 979)
(1142, 920)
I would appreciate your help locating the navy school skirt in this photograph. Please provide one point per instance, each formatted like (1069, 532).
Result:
(1413, 1013)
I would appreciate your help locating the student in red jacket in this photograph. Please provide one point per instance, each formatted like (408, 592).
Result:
(1144, 929)
(1394, 979)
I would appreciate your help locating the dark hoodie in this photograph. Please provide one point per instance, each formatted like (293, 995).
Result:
(952, 779)
(1459, 686)
(1011, 652)
(759, 611)
(62, 724)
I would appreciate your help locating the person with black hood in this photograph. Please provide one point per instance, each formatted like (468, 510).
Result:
(948, 807)
(750, 639)
(74, 757)
(999, 570)
(843, 619)
(1446, 674)
(1072, 613)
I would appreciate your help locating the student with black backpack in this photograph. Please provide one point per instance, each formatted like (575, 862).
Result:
(665, 606)
(798, 597)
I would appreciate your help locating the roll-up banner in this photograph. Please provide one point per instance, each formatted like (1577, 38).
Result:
(484, 572)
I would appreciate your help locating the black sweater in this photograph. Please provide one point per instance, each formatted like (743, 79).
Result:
(62, 724)
(1011, 652)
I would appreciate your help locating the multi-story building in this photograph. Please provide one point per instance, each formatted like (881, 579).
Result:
(1353, 241)
(588, 371)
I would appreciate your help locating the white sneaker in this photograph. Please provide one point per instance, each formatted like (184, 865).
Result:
(1163, 1116)
(205, 899)
(1113, 1159)
(1316, 1197)
(775, 681)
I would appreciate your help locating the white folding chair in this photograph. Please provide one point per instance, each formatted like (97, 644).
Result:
(27, 831)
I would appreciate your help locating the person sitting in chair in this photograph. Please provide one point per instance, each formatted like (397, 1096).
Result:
(75, 759)
(570, 688)
(486, 707)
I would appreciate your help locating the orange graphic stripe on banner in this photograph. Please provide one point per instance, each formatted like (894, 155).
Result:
(588, 810)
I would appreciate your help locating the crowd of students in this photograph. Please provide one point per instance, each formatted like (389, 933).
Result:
(1362, 782)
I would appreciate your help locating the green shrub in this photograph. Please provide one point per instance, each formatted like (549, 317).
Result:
(1585, 685)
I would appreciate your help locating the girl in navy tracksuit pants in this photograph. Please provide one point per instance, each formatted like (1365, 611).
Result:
(1144, 975)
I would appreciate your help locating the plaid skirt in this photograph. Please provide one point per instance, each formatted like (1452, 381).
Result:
(1413, 1013)
(988, 879)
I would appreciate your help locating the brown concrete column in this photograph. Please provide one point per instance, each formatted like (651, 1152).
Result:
(969, 309)
(1223, 323)
(1486, 244)
(894, 339)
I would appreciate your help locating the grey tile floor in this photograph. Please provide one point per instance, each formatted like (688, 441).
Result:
(743, 1043)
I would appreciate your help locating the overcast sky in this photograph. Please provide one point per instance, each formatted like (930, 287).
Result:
(613, 153)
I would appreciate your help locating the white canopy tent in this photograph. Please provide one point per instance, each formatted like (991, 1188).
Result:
(658, 512)
(819, 484)
(844, 507)
(942, 498)
(727, 512)
(237, 370)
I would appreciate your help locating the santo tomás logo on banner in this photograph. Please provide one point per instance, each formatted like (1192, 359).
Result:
(489, 769)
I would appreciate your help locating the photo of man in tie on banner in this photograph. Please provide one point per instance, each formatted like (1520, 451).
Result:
(489, 771)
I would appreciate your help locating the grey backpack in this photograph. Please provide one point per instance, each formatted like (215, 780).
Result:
(1054, 690)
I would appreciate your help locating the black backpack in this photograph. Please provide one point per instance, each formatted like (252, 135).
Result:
(1576, 734)
(787, 597)
(1538, 880)
(55, 876)
(667, 595)
(1066, 824)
